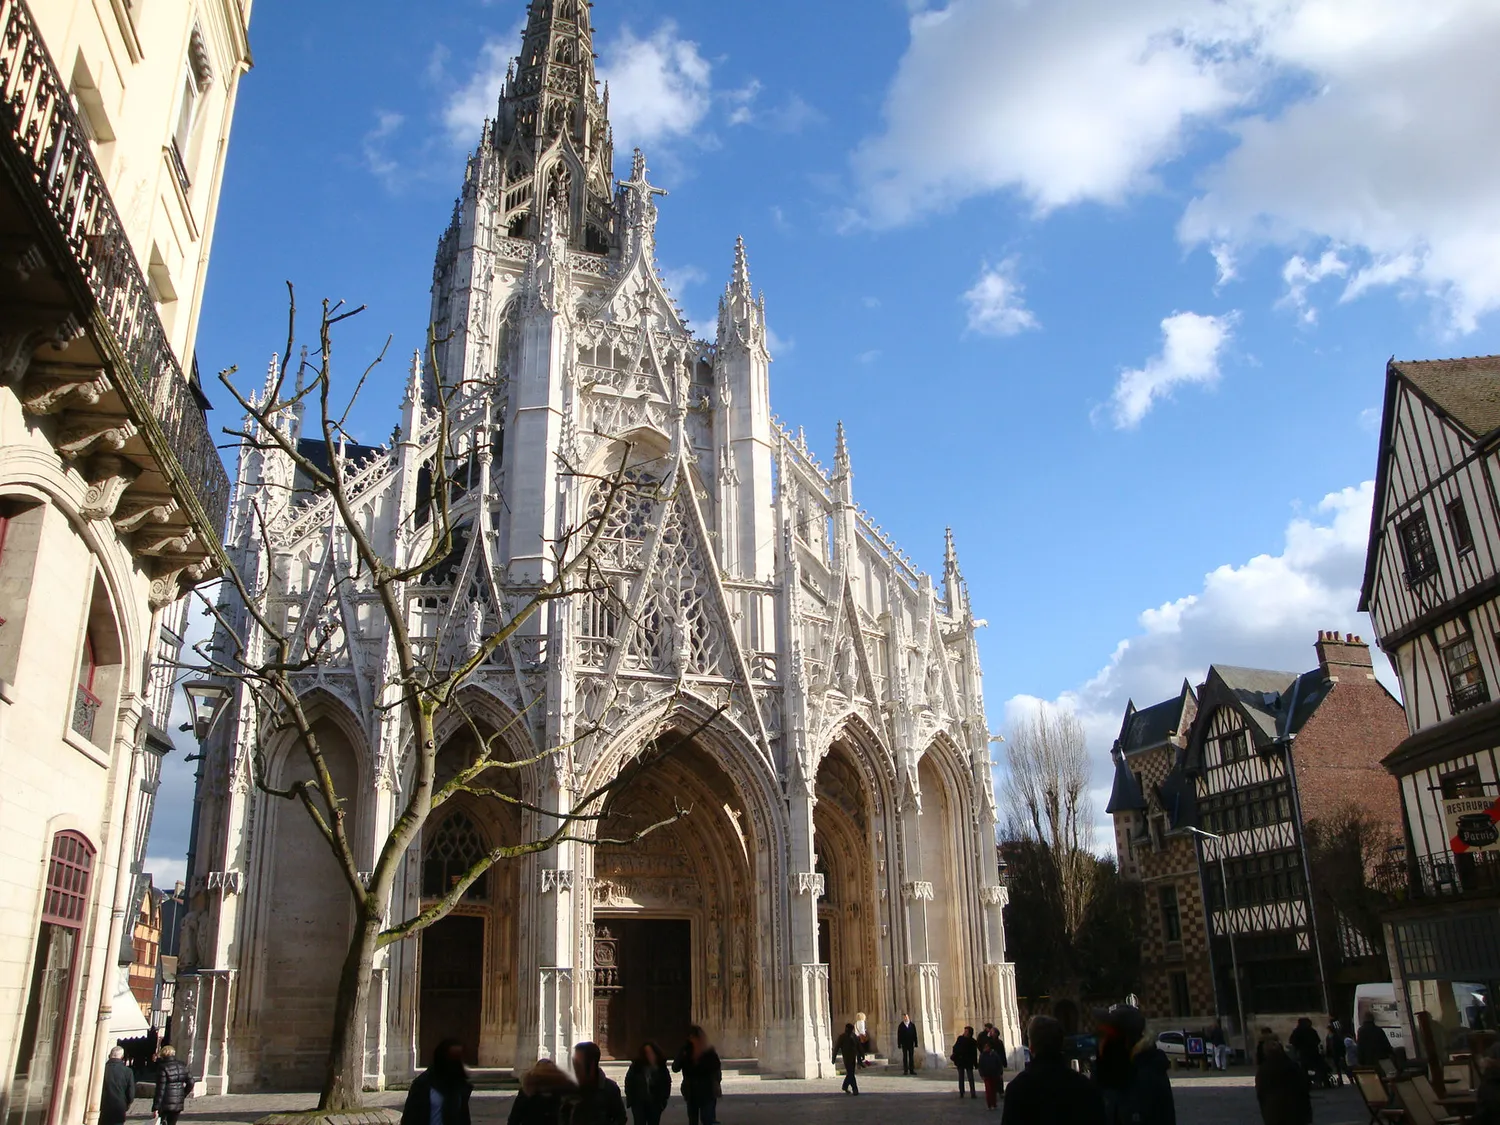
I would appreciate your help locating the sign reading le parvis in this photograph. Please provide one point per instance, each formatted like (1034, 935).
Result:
(1471, 826)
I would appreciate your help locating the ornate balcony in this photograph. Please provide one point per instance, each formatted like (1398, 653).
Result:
(81, 340)
(1440, 876)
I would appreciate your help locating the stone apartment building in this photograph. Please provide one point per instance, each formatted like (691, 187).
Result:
(1266, 755)
(113, 121)
(1176, 975)
(1432, 588)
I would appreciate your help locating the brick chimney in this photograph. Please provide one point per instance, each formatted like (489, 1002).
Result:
(1344, 656)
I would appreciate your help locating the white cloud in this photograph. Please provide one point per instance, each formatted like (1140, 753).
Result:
(466, 108)
(1191, 343)
(1225, 264)
(377, 159)
(1264, 613)
(997, 305)
(1301, 275)
(1366, 125)
(165, 872)
(660, 87)
(1061, 101)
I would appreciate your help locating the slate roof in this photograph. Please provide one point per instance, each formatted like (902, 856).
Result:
(316, 451)
(1466, 389)
(1263, 696)
(1151, 726)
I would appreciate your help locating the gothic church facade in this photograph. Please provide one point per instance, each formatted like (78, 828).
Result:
(840, 853)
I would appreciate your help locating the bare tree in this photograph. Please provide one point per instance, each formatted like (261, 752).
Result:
(269, 661)
(1046, 788)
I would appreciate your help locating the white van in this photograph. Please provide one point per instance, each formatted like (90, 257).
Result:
(1380, 999)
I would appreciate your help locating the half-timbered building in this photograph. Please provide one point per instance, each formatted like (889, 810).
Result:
(1268, 755)
(1432, 588)
(1176, 968)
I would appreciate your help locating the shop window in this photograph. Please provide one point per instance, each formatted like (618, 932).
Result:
(41, 1060)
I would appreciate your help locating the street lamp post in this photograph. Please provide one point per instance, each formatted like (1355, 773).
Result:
(1234, 958)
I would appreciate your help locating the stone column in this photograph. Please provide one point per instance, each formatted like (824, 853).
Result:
(808, 1037)
(558, 972)
(924, 998)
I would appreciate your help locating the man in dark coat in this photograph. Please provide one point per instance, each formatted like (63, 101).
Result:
(1049, 1091)
(597, 1100)
(174, 1085)
(848, 1047)
(965, 1056)
(906, 1039)
(119, 1089)
(1308, 1048)
(1372, 1042)
(1133, 1073)
(1281, 1088)
(441, 1092)
(702, 1073)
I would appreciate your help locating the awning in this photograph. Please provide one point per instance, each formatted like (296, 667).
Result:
(125, 1019)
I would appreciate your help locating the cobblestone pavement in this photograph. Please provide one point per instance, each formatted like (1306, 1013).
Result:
(1201, 1100)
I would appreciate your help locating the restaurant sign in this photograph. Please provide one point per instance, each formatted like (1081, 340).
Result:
(1471, 823)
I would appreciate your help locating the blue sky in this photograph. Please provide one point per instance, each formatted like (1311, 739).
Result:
(1108, 288)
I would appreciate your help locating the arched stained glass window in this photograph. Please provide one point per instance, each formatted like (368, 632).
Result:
(454, 848)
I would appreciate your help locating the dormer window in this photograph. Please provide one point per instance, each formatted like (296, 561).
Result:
(1417, 550)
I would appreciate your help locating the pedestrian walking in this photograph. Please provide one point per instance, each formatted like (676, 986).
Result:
(702, 1075)
(862, 1034)
(992, 1070)
(1266, 1036)
(544, 1088)
(906, 1039)
(440, 1094)
(648, 1085)
(597, 1099)
(1372, 1042)
(847, 1047)
(965, 1056)
(174, 1085)
(1133, 1073)
(1220, 1045)
(1281, 1088)
(119, 1089)
(1334, 1048)
(1049, 1091)
(1308, 1049)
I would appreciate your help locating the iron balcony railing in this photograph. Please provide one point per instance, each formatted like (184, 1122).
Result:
(51, 148)
(1440, 876)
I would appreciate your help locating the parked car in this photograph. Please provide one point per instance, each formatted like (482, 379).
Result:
(1173, 1044)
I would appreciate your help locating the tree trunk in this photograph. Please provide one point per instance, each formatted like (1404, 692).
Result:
(343, 1085)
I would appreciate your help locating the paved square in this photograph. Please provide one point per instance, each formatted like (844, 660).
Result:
(1228, 1100)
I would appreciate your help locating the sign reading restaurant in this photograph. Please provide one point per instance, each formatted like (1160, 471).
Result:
(1471, 824)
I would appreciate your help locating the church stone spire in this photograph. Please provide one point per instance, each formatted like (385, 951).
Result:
(954, 587)
(552, 135)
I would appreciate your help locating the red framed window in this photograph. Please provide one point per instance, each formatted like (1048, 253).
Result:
(42, 1059)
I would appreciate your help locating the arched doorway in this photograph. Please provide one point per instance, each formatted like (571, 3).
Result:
(939, 827)
(675, 914)
(848, 933)
(468, 963)
(308, 917)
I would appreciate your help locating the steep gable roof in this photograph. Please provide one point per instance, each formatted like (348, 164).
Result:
(1262, 697)
(1465, 391)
